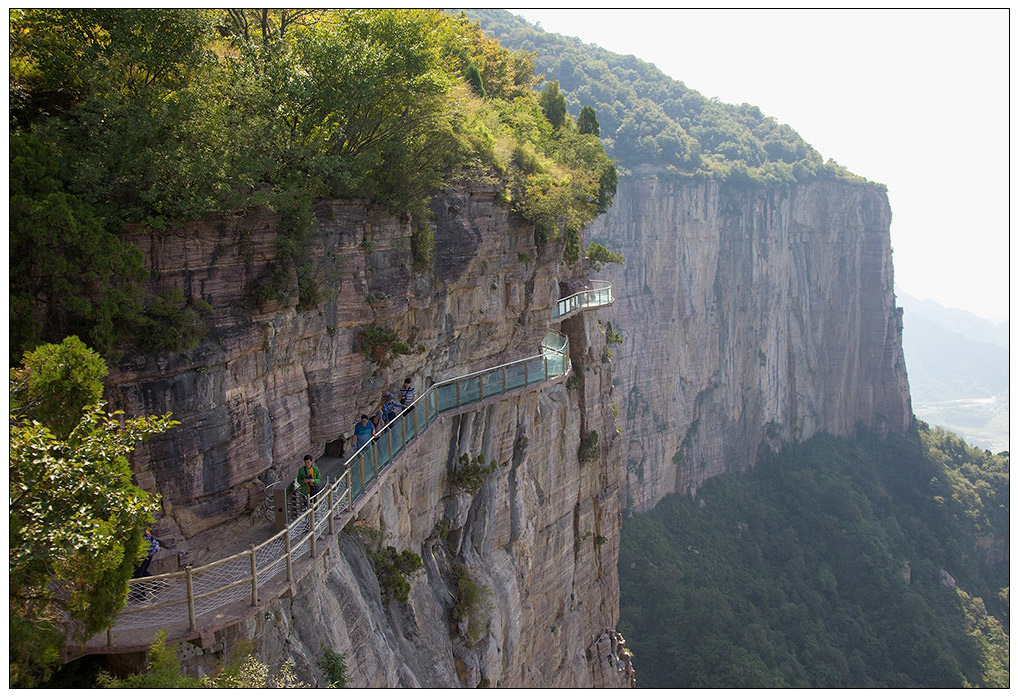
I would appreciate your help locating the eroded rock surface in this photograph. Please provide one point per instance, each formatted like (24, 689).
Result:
(750, 318)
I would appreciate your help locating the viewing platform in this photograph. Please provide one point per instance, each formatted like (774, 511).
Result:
(195, 602)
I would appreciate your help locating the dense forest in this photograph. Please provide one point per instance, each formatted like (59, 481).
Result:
(646, 117)
(153, 117)
(838, 563)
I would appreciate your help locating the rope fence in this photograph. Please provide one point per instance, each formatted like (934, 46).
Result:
(183, 599)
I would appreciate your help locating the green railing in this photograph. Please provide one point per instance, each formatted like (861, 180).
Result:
(177, 600)
(602, 294)
(361, 469)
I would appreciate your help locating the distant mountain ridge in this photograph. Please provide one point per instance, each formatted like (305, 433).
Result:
(648, 118)
(958, 370)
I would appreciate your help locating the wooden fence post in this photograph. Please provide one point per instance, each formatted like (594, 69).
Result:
(289, 559)
(332, 522)
(190, 599)
(254, 576)
(311, 527)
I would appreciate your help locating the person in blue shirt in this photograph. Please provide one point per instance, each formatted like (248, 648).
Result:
(363, 431)
(389, 406)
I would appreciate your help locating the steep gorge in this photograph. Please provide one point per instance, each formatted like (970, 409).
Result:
(749, 317)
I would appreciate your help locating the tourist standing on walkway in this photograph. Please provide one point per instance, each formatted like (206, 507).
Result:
(310, 477)
(363, 431)
(389, 406)
(406, 394)
(153, 548)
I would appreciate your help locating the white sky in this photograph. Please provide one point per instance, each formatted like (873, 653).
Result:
(915, 99)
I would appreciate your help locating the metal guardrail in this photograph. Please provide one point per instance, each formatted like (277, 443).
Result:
(601, 294)
(190, 594)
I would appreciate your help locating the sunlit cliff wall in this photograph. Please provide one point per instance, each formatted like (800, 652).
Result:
(750, 318)
(540, 537)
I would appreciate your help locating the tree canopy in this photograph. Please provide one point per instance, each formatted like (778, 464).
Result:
(76, 519)
(647, 117)
(838, 563)
(155, 117)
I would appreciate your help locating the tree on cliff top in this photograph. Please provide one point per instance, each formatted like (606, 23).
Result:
(76, 520)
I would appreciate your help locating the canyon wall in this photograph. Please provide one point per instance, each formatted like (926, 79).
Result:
(537, 543)
(750, 318)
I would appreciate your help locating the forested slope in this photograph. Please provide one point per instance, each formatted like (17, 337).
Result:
(838, 563)
(647, 117)
(155, 117)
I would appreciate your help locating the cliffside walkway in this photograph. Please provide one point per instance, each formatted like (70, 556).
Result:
(195, 602)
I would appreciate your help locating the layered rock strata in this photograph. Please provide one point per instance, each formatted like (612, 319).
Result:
(538, 540)
(750, 318)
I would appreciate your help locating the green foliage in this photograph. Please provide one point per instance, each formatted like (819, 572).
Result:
(69, 275)
(598, 254)
(468, 475)
(473, 601)
(333, 665)
(473, 78)
(164, 671)
(76, 520)
(553, 104)
(571, 253)
(56, 384)
(586, 122)
(392, 568)
(647, 117)
(611, 335)
(589, 451)
(380, 344)
(823, 568)
(155, 117)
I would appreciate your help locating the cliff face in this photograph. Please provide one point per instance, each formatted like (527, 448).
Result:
(749, 318)
(538, 541)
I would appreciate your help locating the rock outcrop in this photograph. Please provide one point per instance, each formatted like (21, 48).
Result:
(750, 318)
(538, 541)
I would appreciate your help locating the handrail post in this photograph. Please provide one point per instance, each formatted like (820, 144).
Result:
(349, 490)
(289, 556)
(526, 373)
(363, 474)
(503, 379)
(332, 519)
(193, 625)
(457, 393)
(254, 576)
(311, 527)
(480, 387)
(374, 458)
(402, 427)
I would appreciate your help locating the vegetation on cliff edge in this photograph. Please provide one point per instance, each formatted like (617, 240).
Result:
(76, 519)
(647, 117)
(151, 117)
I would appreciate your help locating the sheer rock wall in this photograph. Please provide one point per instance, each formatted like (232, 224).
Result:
(750, 318)
(540, 538)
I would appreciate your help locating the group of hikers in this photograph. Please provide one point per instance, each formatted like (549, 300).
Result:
(309, 477)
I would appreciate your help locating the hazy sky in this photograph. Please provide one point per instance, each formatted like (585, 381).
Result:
(914, 99)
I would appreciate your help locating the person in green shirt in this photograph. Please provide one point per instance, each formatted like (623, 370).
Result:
(309, 477)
